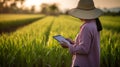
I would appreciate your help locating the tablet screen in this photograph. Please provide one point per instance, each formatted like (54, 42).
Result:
(61, 38)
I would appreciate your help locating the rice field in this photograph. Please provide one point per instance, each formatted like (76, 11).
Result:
(9, 22)
(33, 45)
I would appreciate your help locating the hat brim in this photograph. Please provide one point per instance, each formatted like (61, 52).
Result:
(85, 14)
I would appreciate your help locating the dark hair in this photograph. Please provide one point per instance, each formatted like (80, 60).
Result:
(99, 25)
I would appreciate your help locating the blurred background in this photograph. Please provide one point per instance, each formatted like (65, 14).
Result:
(27, 28)
(53, 6)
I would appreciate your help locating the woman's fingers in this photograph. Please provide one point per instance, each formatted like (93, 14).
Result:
(63, 45)
(70, 40)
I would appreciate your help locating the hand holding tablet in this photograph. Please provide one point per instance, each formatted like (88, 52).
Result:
(61, 39)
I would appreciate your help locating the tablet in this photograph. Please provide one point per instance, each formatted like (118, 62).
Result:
(60, 38)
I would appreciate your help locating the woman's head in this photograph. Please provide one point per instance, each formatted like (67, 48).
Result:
(86, 19)
(86, 10)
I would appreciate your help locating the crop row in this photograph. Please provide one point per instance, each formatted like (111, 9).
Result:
(12, 22)
(34, 46)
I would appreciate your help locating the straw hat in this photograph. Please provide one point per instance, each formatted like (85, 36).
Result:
(85, 10)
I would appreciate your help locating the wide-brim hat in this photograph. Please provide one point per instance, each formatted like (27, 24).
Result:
(85, 10)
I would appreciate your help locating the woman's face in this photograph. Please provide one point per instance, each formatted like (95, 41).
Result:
(84, 20)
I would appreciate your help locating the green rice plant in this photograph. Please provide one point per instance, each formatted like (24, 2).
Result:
(68, 29)
(111, 23)
(33, 45)
(110, 49)
(11, 22)
(25, 46)
(14, 17)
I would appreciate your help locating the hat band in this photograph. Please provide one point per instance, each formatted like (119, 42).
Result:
(86, 9)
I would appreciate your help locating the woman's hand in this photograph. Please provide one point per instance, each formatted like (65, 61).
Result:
(65, 44)
(70, 40)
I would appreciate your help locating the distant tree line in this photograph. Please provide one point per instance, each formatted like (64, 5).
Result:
(10, 6)
(112, 13)
(50, 9)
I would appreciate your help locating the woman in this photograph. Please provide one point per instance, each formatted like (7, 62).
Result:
(86, 48)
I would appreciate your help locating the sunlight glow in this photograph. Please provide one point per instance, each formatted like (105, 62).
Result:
(29, 3)
(68, 4)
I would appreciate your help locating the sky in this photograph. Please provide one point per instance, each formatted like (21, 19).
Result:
(69, 4)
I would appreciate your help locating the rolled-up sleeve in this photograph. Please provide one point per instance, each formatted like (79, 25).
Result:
(84, 42)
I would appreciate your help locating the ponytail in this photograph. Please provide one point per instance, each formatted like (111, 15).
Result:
(99, 25)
